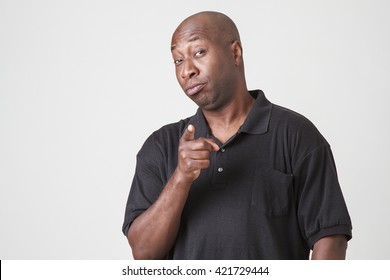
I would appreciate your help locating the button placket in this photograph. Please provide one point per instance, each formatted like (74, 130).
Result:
(220, 165)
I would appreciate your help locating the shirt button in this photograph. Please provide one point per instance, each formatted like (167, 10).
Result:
(220, 169)
(223, 150)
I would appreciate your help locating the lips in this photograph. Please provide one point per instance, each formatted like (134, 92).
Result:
(194, 89)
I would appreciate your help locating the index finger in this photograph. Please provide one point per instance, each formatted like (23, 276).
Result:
(189, 133)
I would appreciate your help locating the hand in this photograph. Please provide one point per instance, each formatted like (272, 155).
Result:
(194, 154)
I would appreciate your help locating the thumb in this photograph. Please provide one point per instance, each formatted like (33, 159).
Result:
(189, 133)
(214, 146)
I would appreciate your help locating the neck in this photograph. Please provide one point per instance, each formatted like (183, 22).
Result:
(225, 122)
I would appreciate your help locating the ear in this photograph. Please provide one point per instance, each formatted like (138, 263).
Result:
(236, 49)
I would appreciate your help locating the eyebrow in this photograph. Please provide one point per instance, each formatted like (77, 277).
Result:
(192, 39)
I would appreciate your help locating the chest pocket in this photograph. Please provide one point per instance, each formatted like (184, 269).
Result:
(272, 192)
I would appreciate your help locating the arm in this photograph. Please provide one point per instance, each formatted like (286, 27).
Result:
(153, 233)
(330, 248)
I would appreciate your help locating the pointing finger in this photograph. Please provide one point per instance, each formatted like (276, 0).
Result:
(189, 133)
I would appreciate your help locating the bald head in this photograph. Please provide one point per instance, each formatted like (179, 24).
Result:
(207, 55)
(213, 25)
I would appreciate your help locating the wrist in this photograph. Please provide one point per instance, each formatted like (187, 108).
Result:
(181, 179)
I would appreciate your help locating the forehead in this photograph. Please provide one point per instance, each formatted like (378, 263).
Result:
(191, 32)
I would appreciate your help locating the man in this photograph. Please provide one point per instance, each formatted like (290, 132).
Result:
(242, 178)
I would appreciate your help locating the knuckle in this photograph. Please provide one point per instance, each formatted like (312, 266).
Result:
(184, 156)
(201, 142)
(189, 164)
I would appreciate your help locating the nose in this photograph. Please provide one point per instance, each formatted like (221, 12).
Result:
(189, 70)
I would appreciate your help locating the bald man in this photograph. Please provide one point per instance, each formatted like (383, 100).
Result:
(241, 179)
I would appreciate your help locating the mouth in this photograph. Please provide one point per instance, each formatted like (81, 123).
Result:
(194, 89)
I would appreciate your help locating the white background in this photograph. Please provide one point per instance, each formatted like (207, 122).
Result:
(83, 83)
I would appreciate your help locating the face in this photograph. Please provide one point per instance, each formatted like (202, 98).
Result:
(204, 66)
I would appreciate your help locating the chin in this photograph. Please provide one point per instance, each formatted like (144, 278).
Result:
(209, 107)
(205, 102)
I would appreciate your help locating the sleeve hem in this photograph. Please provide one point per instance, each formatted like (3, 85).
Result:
(335, 230)
(127, 223)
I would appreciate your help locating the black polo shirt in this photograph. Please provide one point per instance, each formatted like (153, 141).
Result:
(270, 192)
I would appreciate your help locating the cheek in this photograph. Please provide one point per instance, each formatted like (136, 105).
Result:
(216, 72)
(177, 74)
(217, 65)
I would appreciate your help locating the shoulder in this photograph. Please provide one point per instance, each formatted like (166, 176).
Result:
(295, 126)
(297, 134)
(284, 116)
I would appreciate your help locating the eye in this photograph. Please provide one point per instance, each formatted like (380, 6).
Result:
(199, 53)
(178, 61)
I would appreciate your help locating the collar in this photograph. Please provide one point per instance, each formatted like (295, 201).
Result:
(255, 123)
(258, 118)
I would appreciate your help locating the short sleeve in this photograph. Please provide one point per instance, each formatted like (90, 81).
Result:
(322, 210)
(147, 183)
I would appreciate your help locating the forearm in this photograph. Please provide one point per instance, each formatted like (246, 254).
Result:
(330, 248)
(153, 233)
